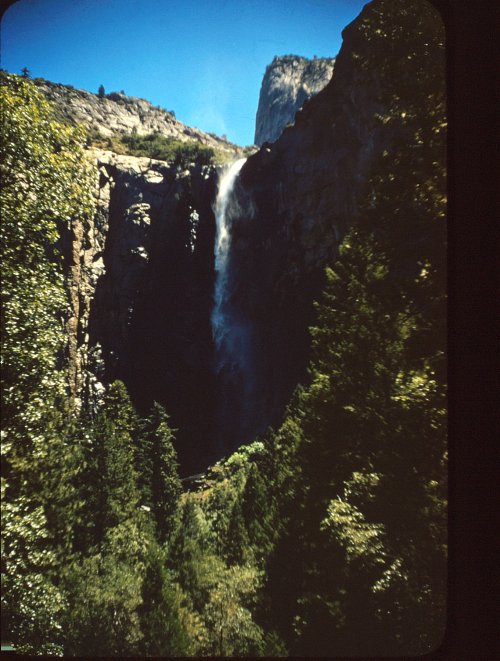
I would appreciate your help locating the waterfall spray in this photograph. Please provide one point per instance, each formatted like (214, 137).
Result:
(231, 331)
(221, 324)
(238, 400)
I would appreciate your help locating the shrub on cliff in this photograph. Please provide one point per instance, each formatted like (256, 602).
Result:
(155, 145)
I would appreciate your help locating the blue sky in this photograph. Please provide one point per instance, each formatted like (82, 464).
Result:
(204, 59)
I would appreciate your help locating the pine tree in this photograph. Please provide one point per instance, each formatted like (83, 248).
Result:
(257, 514)
(113, 475)
(237, 545)
(369, 522)
(104, 585)
(367, 547)
(158, 469)
(163, 633)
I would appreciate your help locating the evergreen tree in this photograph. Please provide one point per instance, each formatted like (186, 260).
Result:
(361, 566)
(163, 633)
(158, 469)
(231, 628)
(101, 92)
(192, 556)
(257, 514)
(237, 546)
(103, 593)
(104, 586)
(344, 508)
(114, 477)
(366, 548)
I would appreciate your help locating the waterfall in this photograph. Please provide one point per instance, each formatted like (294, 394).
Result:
(222, 324)
(231, 333)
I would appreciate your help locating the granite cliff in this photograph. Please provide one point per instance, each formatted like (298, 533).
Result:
(142, 270)
(384, 107)
(141, 280)
(289, 81)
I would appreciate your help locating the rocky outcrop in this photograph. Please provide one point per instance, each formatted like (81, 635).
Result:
(288, 82)
(123, 114)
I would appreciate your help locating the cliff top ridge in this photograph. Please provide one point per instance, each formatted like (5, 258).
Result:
(117, 114)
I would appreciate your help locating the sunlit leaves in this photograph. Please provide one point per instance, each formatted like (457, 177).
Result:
(232, 630)
(46, 183)
(360, 539)
(30, 602)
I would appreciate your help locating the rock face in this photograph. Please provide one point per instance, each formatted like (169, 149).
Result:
(122, 114)
(288, 82)
(82, 244)
(141, 281)
(304, 191)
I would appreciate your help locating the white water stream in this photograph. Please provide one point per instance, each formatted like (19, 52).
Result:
(221, 323)
(238, 417)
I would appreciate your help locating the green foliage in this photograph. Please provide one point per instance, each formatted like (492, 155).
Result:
(155, 145)
(120, 598)
(360, 563)
(117, 96)
(191, 554)
(238, 546)
(257, 514)
(361, 541)
(220, 600)
(75, 540)
(108, 480)
(104, 594)
(227, 614)
(325, 537)
(46, 183)
(158, 470)
(31, 604)
(163, 631)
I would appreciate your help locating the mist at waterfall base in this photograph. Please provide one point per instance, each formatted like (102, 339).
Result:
(236, 414)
